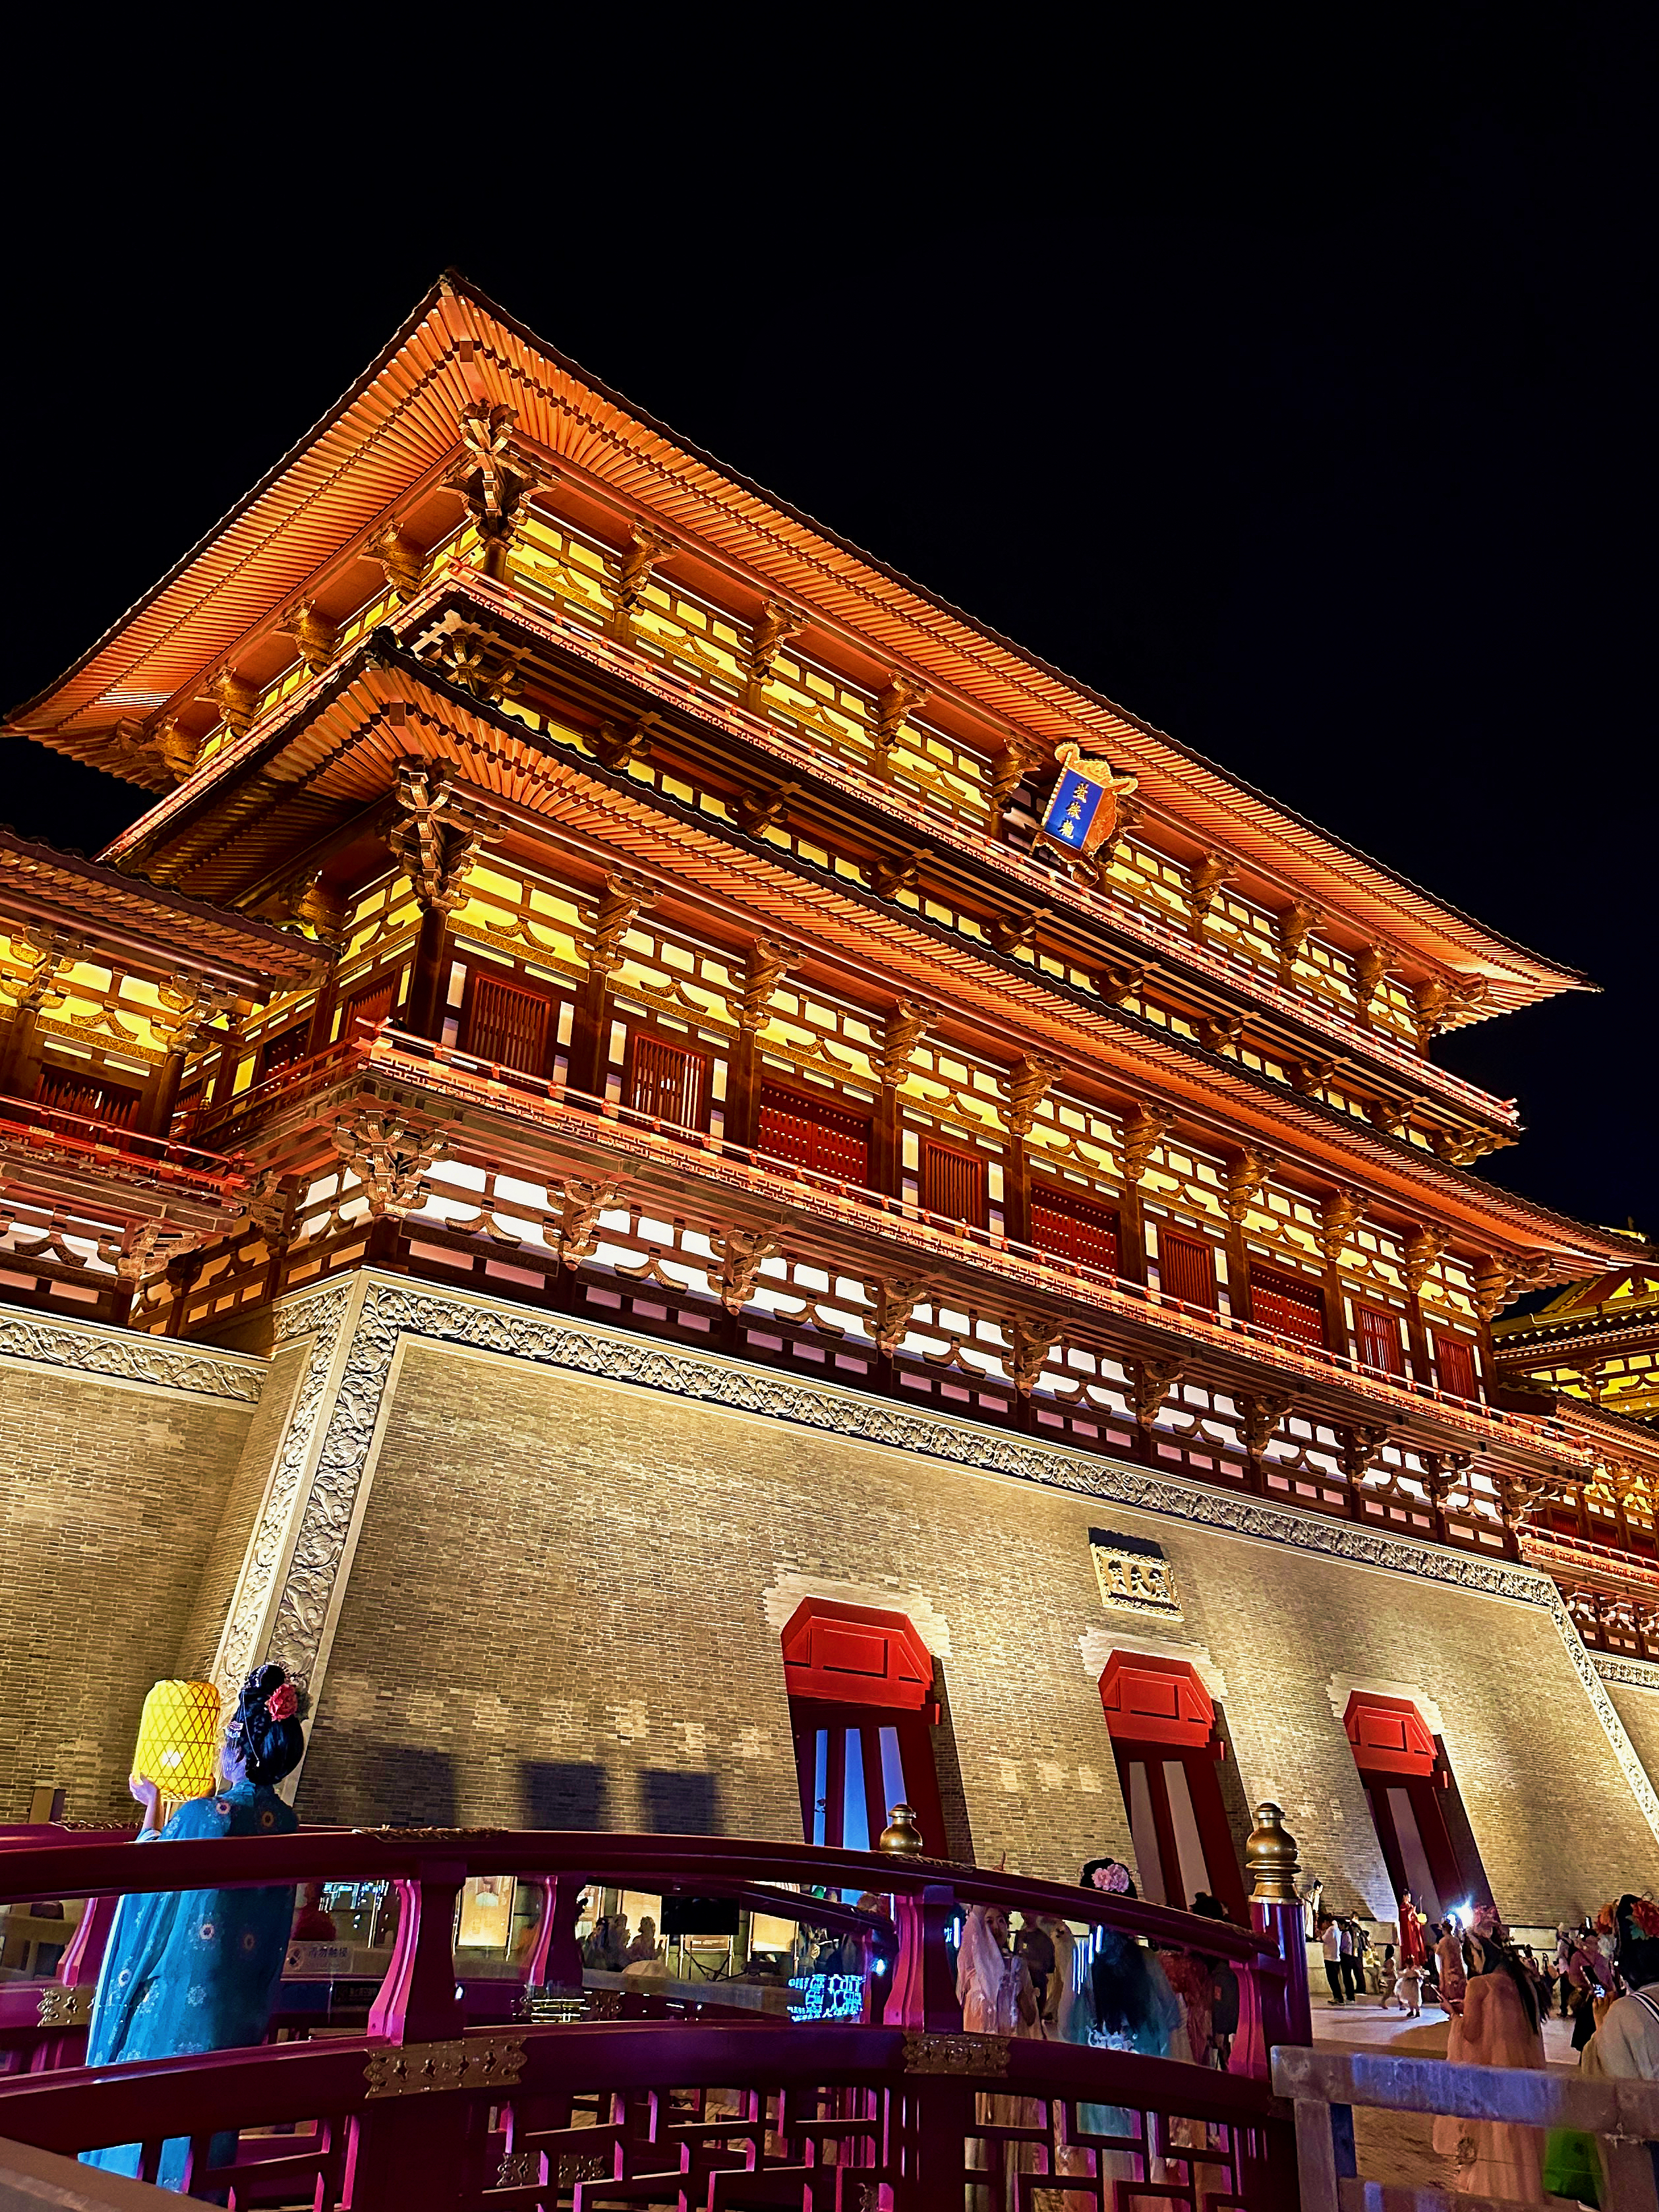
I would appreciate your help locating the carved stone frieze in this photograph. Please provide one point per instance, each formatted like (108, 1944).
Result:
(319, 1315)
(123, 1355)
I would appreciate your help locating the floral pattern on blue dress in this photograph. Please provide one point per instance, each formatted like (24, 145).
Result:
(192, 1970)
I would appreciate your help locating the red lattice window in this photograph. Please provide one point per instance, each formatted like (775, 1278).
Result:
(1455, 1357)
(1379, 1341)
(809, 1133)
(1287, 1305)
(72, 1092)
(1186, 1269)
(507, 1024)
(1070, 1228)
(953, 1183)
(667, 1080)
(283, 1049)
(372, 1005)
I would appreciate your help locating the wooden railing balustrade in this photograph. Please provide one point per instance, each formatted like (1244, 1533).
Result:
(433, 2106)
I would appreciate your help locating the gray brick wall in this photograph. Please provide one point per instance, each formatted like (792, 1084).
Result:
(557, 1615)
(110, 1497)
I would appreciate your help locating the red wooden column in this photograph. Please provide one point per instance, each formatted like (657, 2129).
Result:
(415, 2150)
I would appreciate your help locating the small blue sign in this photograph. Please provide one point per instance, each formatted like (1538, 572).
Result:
(827, 1997)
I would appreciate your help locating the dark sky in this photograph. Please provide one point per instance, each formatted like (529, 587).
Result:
(1308, 415)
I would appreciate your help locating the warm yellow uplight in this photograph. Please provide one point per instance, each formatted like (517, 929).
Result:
(178, 1740)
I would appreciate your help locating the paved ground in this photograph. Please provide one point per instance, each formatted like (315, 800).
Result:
(1399, 2147)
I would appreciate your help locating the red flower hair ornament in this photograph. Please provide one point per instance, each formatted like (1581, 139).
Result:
(283, 1702)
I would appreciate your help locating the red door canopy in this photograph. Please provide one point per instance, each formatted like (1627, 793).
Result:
(853, 1654)
(1389, 1736)
(1156, 1701)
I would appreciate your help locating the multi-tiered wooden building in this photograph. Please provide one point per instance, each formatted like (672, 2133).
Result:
(753, 1274)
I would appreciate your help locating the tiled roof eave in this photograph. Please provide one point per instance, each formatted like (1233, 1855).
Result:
(395, 421)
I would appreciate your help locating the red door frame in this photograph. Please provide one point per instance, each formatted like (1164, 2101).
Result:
(859, 1665)
(1156, 1709)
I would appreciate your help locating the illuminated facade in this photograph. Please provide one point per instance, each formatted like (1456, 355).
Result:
(625, 942)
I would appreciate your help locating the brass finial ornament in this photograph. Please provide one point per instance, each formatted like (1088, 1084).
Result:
(1270, 1859)
(901, 1838)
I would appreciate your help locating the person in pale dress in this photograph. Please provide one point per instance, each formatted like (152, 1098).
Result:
(994, 1989)
(1498, 2027)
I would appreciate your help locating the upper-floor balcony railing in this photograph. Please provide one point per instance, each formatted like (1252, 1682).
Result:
(544, 1102)
(535, 2095)
(28, 1126)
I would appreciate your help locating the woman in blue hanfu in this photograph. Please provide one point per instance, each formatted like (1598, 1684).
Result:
(197, 1970)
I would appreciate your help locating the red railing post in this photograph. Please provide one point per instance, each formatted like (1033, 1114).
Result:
(555, 1957)
(924, 1993)
(418, 2000)
(417, 2151)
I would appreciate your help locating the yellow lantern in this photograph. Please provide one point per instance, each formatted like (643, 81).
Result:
(178, 1740)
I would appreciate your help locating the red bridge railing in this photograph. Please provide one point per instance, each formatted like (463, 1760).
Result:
(434, 2104)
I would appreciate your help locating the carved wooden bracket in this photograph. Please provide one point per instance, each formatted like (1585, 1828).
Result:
(1204, 878)
(906, 1027)
(495, 478)
(1029, 1084)
(1259, 1417)
(650, 549)
(1357, 1450)
(1144, 1128)
(1497, 1281)
(434, 840)
(1015, 932)
(1151, 1382)
(403, 561)
(235, 700)
(1391, 1115)
(1437, 1002)
(326, 912)
(187, 1008)
(147, 1249)
(313, 634)
(47, 952)
(389, 1157)
(1019, 758)
(1461, 1148)
(1116, 984)
(472, 658)
(902, 696)
(1291, 927)
(896, 1303)
(1423, 1247)
(774, 626)
(1309, 1076)
(624, 898)
(762, 809)
(1371, 964)
(615, 747)
(741, 1253)
(573, 1222)
(768, 963)
(889, 874)
(1246, 1173)
(1030, 1343)
(1220, 1032)
(1338, 1212)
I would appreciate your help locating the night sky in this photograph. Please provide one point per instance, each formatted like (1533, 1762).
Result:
(1309, 419)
